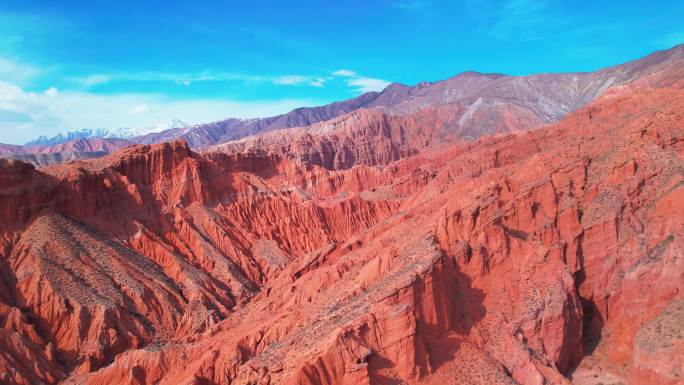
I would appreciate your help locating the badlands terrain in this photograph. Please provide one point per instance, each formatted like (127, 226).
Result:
(485, 229)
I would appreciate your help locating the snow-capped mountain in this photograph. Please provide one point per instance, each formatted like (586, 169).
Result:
(68, 136)
(113, 133)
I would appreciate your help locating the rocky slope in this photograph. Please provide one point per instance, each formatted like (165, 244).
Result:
(49, 159)
(488, 103)
(406, 257)
(217, 132)
(10, 149)
(78, 149)
(84, 145)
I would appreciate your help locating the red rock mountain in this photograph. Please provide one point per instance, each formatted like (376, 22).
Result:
(377, 247)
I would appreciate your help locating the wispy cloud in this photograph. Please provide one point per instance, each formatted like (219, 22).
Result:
(298, 80)
(203, 76)
(17, 71)
(345, 73)
(92, 80)
(368, 84)
(361, 83)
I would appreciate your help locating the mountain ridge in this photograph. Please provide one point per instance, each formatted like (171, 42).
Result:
(531, 101)
(102, 133)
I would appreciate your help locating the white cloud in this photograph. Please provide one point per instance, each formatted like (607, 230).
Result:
(44, 114)
(290, 80)
(368, 84)
(52, 91)
(344, 72)
(10, 93)
(318, 82)
(361, 84)
(92, 80)
(298, 80)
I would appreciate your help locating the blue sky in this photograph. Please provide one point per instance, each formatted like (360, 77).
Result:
(67, 65)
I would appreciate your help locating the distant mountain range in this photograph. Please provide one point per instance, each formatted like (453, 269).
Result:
(103, 133)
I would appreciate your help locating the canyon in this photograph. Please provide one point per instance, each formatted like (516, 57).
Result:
(485, 229)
